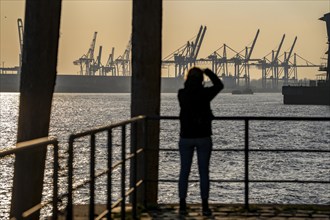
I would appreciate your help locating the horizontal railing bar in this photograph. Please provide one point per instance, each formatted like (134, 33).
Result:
(259, 150)
(131, 155)
(39, 206)
(108, 127)
(133, 188)
(251, 181)
(27, 145)
(32, 210)
(252, 118)
(84, 182)
(290, 150)
(121, 199)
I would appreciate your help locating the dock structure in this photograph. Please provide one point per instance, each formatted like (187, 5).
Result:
(41, 36)
(220, 211)
(133, 194)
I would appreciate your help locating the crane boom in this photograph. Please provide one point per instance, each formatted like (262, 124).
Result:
(90, 53)
(196, 42)
(111, 56)
(290, 52)
(20, 33)
(99, 57)
(279, 48)
(199, 43)
(253, 44)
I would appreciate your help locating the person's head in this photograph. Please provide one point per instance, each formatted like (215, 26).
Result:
(194, 77)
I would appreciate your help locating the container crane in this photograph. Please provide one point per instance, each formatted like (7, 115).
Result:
(286, 65)
(186, 55)
(267, 65)
(87, 59)
(241, 63)
(110, 65)
(275, 64)
(123, 62)
(96, 64)
(247, 58)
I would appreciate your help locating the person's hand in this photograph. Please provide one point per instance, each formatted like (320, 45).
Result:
(207, 72)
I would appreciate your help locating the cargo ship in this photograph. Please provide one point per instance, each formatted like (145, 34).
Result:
(318, 91)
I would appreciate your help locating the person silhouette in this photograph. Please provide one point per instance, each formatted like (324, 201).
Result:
(195, 132)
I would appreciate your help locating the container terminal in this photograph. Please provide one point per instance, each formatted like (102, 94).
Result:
(278, 68)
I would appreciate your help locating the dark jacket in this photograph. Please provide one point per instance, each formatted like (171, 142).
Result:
(195, 102)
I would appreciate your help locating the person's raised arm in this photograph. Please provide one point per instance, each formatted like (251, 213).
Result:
(217, 83)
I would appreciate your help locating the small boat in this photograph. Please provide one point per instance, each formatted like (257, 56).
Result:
(242, 91)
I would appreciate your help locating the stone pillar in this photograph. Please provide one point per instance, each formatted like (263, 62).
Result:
(146, 81)
(38, 74)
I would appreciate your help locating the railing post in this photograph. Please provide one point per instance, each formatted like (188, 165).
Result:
(70, 179)
(246, 164)
(55, 181)
(134, 168)
(123, 171)
(109, 173)
(92, 179)
(145, 165)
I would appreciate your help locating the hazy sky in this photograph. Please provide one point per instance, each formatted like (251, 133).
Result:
(232, 22)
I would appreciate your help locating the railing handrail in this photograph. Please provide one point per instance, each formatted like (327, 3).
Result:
(251, 118)
(28, 145)
(32, 144)
(108, 127)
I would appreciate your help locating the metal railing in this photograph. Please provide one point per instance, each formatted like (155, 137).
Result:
(135, 151)
(110, 167)
(33, 144)
(246, 150)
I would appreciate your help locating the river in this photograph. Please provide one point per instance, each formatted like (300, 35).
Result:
(79, 112)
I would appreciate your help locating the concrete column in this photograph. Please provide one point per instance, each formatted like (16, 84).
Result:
(38, 74)
(146, 81)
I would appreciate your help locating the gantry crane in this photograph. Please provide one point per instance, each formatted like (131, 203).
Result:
(286, 66)
(186, 56)
(86, 60)
(272, 65)
(247, 59)
(275, 64)
(241, 63)
(123, 62)
(110, 65)
(96, 64)
(296, 65)
(220, 61)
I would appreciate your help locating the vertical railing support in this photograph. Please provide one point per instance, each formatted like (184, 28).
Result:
(134, 168)
(55, 181)
(246, 165)
(123, 172)
(109, 174)
(70, 179)
(92, 179)
(145, 147)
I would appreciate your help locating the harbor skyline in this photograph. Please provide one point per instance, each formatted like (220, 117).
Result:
(232, 22)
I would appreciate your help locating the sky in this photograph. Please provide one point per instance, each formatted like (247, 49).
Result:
(234, 22)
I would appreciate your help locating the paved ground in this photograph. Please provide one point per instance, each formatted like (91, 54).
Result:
(221, 211)
(231, 212)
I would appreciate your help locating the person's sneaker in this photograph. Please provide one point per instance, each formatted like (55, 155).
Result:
(183, 207)
(207, 212)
